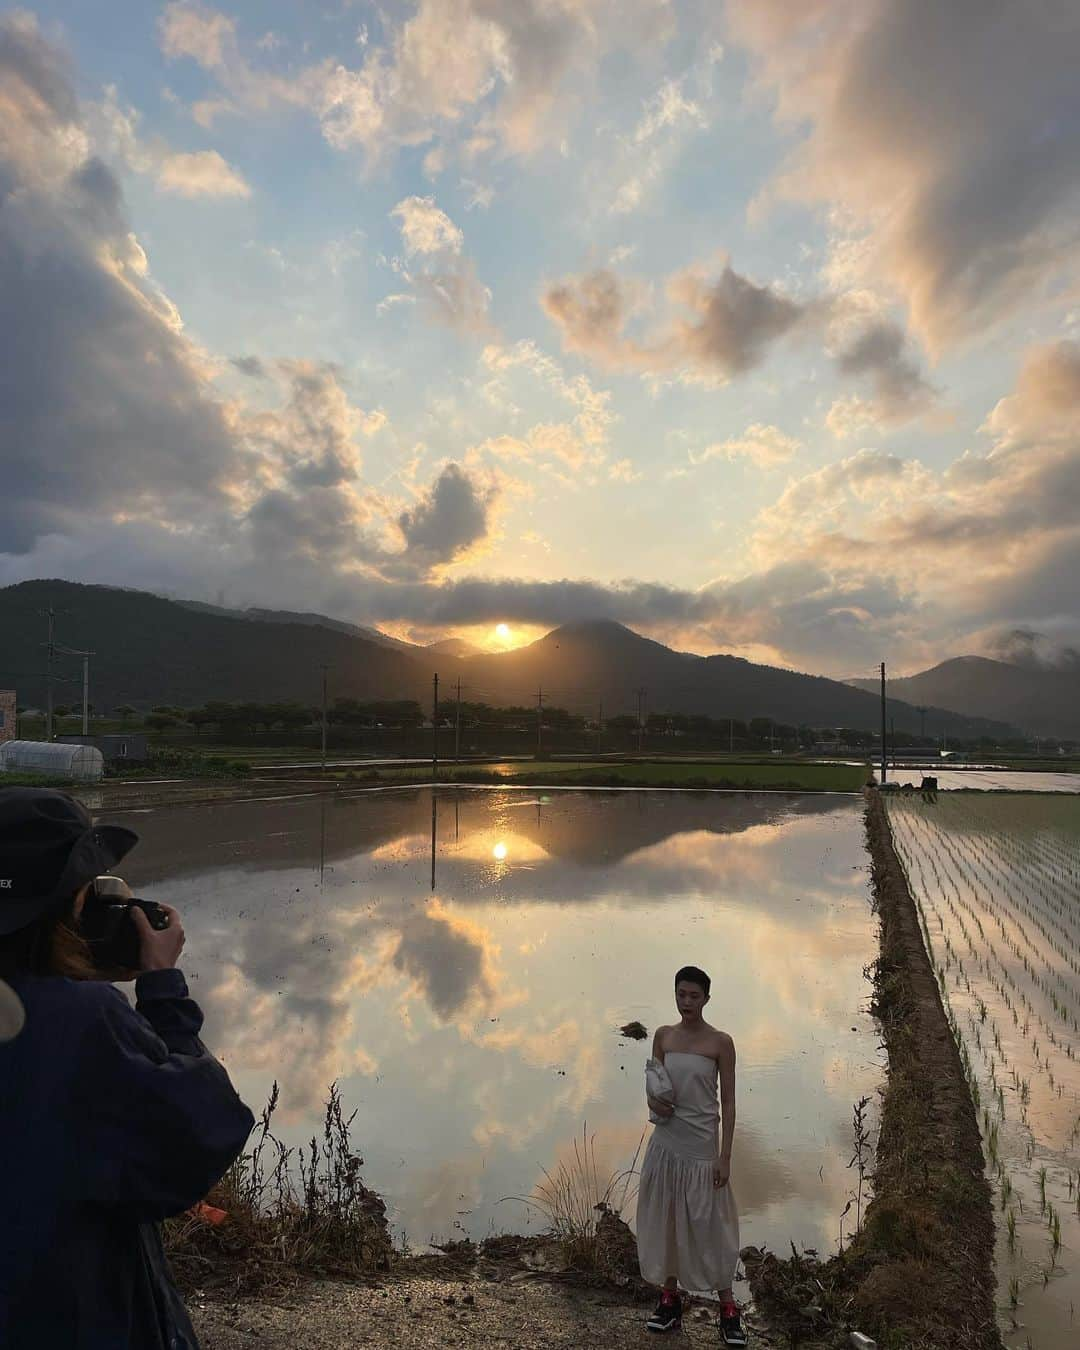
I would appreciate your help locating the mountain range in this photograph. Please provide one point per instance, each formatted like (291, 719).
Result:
(1040, 700)
(151, 650)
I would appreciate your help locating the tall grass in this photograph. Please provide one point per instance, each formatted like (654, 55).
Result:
(290, 1212)
(576, 1197)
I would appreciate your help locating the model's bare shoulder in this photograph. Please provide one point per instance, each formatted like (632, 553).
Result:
(658, 1040)
(725, 1046)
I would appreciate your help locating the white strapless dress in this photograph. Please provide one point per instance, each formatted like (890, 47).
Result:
(686, 1226)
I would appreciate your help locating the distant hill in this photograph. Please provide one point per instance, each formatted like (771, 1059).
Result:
(582, 665)
(454, 647)
(306, 617)
(151, 650)
(1039, 701)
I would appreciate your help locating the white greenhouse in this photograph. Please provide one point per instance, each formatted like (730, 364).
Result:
(83, 763)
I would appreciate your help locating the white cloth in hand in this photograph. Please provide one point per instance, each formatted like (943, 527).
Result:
(659, 1086)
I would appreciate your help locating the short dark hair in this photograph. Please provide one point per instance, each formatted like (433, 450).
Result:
(692, 975)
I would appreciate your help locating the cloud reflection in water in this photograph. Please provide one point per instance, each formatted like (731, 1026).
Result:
(474, 1028)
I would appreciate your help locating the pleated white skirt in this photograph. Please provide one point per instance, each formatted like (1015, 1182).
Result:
(686, 1226)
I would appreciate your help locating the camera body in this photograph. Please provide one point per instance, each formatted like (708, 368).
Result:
(108, 927)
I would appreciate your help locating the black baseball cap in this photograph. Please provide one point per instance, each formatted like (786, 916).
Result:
(49, 849)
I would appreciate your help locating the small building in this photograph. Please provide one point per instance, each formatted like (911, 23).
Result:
(118, 748)
(81, 763)
(7, 715)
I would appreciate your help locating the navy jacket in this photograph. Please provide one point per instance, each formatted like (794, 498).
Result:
(111, 1119)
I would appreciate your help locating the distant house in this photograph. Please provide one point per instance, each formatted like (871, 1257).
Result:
(115, 749)
(7, 715)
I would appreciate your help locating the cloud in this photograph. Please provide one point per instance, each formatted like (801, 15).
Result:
(1036, 651)
(880, 353)
(718, 328)
(447, 520)
(426, 229)
(731, 325)
(194, 30)
(251, 366)
(578, 444)
(200, 173)
(106, 408)
(118, 443)
(667, 117)
(455, 296)
(962, 182)
(447, 286)
(764, 446)
(507, 69)
(980, 544)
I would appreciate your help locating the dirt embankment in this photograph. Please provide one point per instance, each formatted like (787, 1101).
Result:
(920, 1273)
(511, 1292)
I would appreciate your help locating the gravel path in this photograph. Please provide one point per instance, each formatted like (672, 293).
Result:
(417, 1313)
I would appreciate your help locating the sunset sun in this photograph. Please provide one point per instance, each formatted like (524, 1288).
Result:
(502, 632)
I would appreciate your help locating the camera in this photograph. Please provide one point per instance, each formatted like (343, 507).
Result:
(108, 927)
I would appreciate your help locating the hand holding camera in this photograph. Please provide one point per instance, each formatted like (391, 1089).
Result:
(126, 934)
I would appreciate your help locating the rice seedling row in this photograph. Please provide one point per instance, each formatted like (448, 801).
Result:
(997, 885)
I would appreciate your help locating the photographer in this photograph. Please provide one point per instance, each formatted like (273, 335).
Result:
(111, 1119)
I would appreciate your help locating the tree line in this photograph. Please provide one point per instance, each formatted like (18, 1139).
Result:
(251, 717)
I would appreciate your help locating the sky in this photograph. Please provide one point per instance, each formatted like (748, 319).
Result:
(754, 326)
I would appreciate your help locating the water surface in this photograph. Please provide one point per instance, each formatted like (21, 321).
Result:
(466, 998)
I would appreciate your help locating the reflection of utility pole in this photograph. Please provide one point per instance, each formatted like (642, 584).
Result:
(324, 669)
(434, 817)
(435, 729)
(539, 721)
(883, 722)
(640, 718)
(322, 839)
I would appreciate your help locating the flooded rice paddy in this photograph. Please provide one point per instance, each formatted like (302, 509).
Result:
(460, 962)
(997, 880)
(984, 779)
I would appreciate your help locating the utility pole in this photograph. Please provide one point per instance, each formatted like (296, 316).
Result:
(85, 690)
(640, 718)
(883, 769)
(435, 729)
(731, 735)
(539, 721)
(324, 670)
(71, 651)
(50, 614)
(457, 723)
(599, 724)
(922, 726)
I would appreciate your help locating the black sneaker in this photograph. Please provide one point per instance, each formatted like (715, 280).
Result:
(731, 1327)
(667, 1315)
